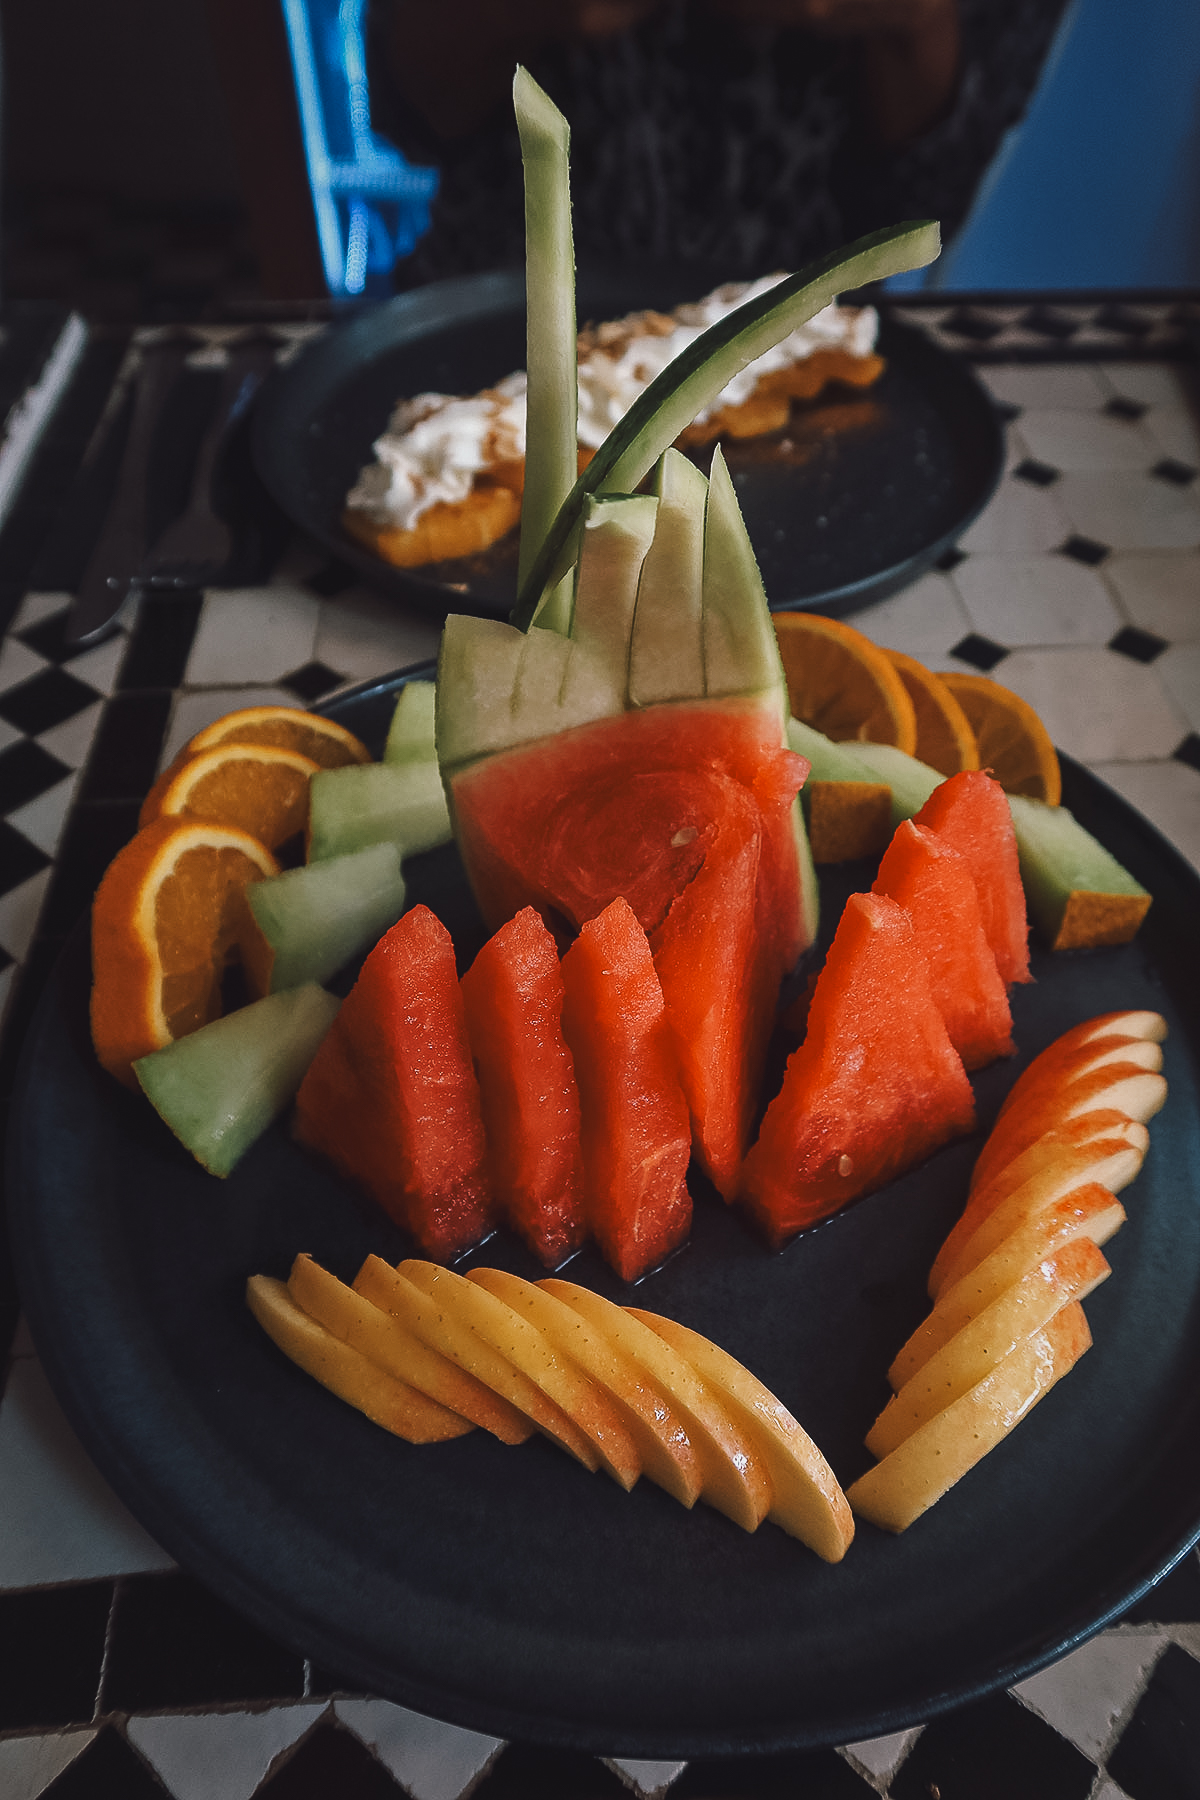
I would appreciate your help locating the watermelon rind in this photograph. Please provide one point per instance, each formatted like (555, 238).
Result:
(694, 379)
(411, 733)
(666, 649)
(552, 395)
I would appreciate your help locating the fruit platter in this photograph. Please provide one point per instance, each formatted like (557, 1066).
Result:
(790, 1066)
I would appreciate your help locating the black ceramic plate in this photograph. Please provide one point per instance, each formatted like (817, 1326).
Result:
(863, 495)
(505, 1588)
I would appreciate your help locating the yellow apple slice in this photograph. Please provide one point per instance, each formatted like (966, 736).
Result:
(563, 1382)
(386, 1288)
(1129, 1027)
(972, 1353)
(662, 1442)
(395, 1405)
(1112, 1162)
(734, 1476)
(1124, 1086)
(384, 1340)
(927, 1464)
(806, 1497)
(1090, 1212)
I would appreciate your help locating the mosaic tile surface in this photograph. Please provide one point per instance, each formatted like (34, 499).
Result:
(1079, 587)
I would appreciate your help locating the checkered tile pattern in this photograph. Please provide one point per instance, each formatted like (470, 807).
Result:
(1079, 586)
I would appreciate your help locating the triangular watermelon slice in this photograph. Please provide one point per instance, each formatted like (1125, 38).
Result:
(391, 1097)
(935, 885)
(970, 812)
(875, 1087)
(636, 1131)
(513, 995)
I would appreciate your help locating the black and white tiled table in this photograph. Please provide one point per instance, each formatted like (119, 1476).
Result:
(1079, 587)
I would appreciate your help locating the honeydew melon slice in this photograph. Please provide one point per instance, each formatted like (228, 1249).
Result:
(307, 923)
(382, 803)
(1079, 895)
(411, 733)
(220, 1087)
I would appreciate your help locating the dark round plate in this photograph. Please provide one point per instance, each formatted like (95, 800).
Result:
(860, 496)
(507, 1590)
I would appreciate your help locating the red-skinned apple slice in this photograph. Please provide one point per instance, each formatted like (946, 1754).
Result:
(929, 1462)
(666, 1451)
(1084, 1149)
(1124, 1086)
(1149, 1027)
(1091, 1212)
(395, 1405)
(983, 1343)
(516, 1338)
(385, 1287)
(806, 1498)
(1072, 1135)
(735, 1479)
(1118, 1160)
(380, 1337)
(1052, 1074)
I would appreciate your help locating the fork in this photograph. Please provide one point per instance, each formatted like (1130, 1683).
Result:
(197, 546)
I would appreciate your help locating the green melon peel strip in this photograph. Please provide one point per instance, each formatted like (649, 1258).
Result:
(695, 378)
(552, 403)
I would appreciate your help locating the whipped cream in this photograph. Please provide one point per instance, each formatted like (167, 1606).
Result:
(436, 444)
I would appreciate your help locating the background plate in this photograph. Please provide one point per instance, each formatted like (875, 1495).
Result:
(504, 1588)
(869, 492)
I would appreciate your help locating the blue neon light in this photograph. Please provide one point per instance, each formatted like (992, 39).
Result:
(370, 204)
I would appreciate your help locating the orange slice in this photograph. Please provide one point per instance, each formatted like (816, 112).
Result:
(286, 728)
(1013, 743)
(164, 923)
(842, 684)
(945, 739)
(256, 787)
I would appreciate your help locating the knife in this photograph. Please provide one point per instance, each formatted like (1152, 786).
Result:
(121, 547)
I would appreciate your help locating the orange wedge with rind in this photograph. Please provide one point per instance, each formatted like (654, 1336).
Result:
(284, 728)
(164, 924)
(842, 684)
(945, 739)
(1014, 745)
(257, 788)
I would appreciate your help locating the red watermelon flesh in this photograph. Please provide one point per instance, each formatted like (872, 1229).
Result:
(720, 1003)
(875, 1087)
(391, 1097)
(570, 822)
(513, 995)
(638, 807)
(935, 885)
(970, 812)
(635, 1127)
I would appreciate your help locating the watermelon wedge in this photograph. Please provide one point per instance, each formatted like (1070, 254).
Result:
(597, 796)
(513, 995)
(971, 812)
(391, 1099)
(875, 1087)
(635, 1126)
(935, 886)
